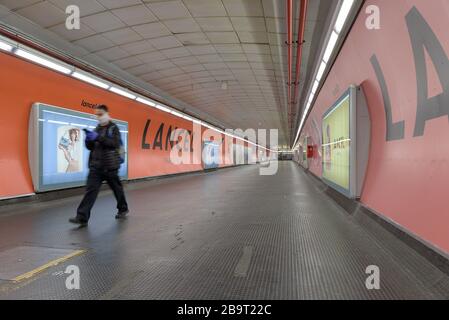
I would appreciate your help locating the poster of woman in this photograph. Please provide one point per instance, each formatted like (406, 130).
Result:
(70, 153)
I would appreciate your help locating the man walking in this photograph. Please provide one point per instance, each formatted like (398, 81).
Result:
(104, 162)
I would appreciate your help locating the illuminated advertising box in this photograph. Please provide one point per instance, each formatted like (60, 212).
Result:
(57, 154)
(345, 143)
(211, 155)
(337, 146)
(303, 149)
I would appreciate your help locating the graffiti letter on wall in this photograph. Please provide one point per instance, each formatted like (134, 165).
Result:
(157, 143)
(395, 131)
(146, 145)
(422, 36)
(168, 140)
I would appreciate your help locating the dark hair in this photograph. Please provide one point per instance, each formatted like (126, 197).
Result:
(102, 107)
(76, 131)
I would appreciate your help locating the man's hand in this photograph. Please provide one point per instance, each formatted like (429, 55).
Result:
(91, 135)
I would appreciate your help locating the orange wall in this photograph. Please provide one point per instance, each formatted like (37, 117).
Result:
(23, 83)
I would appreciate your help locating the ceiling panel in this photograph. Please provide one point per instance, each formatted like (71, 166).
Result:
(169, 9)
(182, 25)
(111, 4)
(53, 17)
(86, 7)
(192, 38)
(239, 8)
(135, 15)
(215, 24)
(103, 21)
(206, 8)
(152, 30)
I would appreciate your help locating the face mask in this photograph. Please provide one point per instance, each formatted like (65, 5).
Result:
(103, 119)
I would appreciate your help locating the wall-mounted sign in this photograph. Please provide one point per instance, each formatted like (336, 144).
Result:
(346, 135)
(57, 154)
(337, 144)
(211, 154)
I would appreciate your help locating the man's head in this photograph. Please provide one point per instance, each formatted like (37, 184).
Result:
(102, 113)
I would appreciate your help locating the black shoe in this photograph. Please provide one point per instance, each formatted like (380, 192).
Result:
(121, 214)
(78, 221)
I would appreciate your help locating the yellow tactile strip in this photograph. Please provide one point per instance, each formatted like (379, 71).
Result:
(52, 263)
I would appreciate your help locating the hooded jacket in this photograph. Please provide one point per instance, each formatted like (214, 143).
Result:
(104, 153)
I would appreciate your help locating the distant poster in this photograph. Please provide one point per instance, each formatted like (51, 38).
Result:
(230, 154)
(303, 148)
(211, 155)
(336, 145)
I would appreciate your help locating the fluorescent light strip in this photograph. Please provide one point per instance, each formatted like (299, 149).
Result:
(342, 17)
(5, 46)
(122, 93)
(207, 126)
(330, 46)
(321, 70)
(42, 61)
(162, 108)
(311, 98)
(78, 125)
(177, 114)
(315, 86)
(71, 116)
(145, 101)
(343, 14)
(58, 122)
(336, 142)
(85, 78)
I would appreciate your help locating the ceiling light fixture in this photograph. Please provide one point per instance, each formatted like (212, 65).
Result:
(88, 79)
(122, 93)
(42, 61)
(5, 46)
(146, 101)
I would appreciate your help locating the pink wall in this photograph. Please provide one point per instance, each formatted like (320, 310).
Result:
(407, 179)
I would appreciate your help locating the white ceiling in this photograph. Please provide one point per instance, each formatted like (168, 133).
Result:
(188, 48)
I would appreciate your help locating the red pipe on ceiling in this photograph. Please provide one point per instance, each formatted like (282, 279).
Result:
(301, 30)
(289, 20)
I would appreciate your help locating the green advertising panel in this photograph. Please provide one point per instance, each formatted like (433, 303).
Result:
(336, 145)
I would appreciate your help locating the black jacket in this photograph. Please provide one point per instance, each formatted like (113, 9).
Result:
(104, 153)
